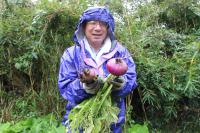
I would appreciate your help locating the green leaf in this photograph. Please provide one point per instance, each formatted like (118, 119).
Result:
(195, 10)
(5, 127)
(22, 125)
(137, 128)
(60, 129)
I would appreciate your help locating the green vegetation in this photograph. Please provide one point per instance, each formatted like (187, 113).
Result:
(95, 114)
(34, 125)
(163, 37)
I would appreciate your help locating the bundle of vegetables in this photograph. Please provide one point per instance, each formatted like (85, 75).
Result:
(95, 115)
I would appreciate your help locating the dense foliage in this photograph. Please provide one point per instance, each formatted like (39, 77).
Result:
(32, 41)
(163, 37)
(34, 125)
(167, 52)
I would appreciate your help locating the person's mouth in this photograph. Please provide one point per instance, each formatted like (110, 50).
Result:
(97, 35)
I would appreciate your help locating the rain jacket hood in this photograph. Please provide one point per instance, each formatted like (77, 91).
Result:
(99, 13)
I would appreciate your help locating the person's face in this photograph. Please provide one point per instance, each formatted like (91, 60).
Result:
(96, 32)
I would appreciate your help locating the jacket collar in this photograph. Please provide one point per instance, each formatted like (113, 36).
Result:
(89, 61)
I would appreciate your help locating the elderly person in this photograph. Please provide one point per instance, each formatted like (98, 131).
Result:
(94, 45)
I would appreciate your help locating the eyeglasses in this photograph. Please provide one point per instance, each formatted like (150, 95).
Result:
(95, 23)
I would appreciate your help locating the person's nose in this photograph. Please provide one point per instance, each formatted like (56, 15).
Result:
(98, 26)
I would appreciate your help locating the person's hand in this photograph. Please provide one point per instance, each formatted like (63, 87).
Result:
(91, 81)
(117, 83)
(88, 76)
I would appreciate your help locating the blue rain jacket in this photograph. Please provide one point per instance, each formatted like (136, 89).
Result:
(76, 57)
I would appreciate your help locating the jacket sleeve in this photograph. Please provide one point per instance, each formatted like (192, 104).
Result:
(130, 78)
(69, 84)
